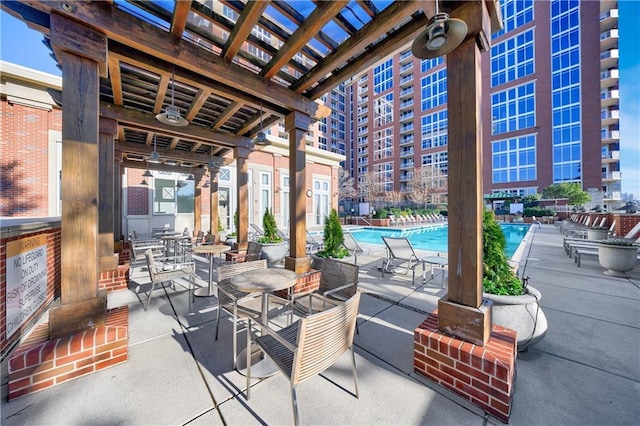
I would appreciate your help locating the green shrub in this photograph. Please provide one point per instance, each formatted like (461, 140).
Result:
(270, 229)
(333, 238)
(538, 211)
(498, 277)
(381, 214)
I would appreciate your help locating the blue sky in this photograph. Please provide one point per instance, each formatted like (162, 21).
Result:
(30, 52)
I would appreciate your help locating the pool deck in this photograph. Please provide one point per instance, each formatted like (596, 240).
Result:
(586, 371)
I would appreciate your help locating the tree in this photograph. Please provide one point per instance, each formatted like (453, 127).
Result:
(572, 191)
(346, 185)
(428, 184)
(367, 186)
(394, 197)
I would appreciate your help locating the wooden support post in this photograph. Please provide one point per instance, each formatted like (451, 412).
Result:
(79, 50)
(297, 125)
(242, 179)
(464, 314)
(197, 204)
(118, 172)
(107, 258)
(214, 203)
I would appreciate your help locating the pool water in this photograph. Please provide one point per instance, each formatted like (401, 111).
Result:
(435, 238)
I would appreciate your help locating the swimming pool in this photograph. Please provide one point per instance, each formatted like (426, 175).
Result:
(435, 238)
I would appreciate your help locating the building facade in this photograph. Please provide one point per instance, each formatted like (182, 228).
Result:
(31, 146)
(550, 107)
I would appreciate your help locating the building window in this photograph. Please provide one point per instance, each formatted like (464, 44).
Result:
(383, 177)
(513, 109)
(427, 64)
(173, 196)
(515, 13)
(434, 89)
(514, 160)
(434, 130)
(383, 76)
(383, 144)
(565, 91)
(383, 110)
(512, 58)
(224, 175)
(438, 159)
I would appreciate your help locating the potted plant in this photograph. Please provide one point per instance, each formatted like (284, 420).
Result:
(515, 305)
(597, 233)
(274, 248)
(617, 256)
(333, 238)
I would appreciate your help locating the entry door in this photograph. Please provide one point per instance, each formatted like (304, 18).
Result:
(284, 202)
(321, 193)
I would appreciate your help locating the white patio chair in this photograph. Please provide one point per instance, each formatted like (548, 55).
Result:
(400, 249)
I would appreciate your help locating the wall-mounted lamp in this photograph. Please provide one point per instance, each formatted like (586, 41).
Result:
(278, 189)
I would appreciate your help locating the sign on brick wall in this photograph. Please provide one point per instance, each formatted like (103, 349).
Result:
(26, 280)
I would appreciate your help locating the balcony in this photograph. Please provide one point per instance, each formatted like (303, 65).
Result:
(609, 39)
(405, 68)
(610, 136)
(406, 56)
(406, 176)
(610, 157)
(406, 152)
(609, 20)
(613, 196)
(609, 59)
(609, 97)
(609, 117)
(363, 99)
(406, 128)
(406, 91)
(406, 140)
(609, 78)
(406, 164)
(609, 176)
(406, 104)
(406, 116)
(406, 80)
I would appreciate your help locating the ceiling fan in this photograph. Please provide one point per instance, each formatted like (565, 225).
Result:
(441, 35)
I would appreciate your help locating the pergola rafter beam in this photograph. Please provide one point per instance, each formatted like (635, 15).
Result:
(247, 20)
(179, 18)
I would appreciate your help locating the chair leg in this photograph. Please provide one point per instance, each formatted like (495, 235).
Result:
(218, 319)
(294, 402)
(355, 373)
(248, 360)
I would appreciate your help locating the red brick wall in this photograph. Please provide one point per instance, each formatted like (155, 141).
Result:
(53, 283)
(24, 137)
(137, 195)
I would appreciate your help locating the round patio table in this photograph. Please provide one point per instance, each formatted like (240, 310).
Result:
(211, 251)
(264, 282)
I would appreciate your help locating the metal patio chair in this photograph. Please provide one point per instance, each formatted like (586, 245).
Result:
(400, 249)
(309, 346)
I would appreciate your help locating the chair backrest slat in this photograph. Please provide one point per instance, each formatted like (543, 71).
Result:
(323, 338)
(225, 272)
(335, 273)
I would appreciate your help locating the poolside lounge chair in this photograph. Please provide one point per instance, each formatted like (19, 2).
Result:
(352, 246)
(400, 249)
(312, 243)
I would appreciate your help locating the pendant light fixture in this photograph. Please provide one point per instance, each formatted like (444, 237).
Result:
(144, 182)
(154, 157)
(441, 35)
(171, 114)
(261, 138)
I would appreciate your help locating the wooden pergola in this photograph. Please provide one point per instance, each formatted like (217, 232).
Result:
(228, 66)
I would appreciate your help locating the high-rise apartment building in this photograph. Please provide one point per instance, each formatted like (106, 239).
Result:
(550, 106)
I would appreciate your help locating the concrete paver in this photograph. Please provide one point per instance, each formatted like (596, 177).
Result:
(585, 371)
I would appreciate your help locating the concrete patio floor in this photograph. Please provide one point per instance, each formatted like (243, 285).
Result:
(585, 371)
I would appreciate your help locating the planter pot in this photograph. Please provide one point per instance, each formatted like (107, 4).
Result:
(274, 252)
(522, 314)
(597, 234)
(617, 260)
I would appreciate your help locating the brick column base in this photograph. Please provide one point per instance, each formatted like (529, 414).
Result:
(483, 375)
(117, 279)
(40, 363)
(305, 283)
